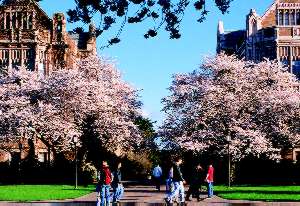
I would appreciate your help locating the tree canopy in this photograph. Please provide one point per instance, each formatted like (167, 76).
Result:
(163, 14)
(255, 106)
(55, 108)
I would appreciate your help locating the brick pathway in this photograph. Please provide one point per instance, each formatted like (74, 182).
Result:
(146, 195)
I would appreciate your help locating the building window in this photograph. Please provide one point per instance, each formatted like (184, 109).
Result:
(292, 18)
(1, 21)
(286, 18)
(280, 19)
(30, 22)
(285, 63)
(4, 55)
(19, 19)
(7, 22)
(296, 68)
(25, 21)
(249, 54)
(28, 58)
(42, 156)
(15, 159)
(16, 58)
(269, 33)
(298, 17)
(14, 21)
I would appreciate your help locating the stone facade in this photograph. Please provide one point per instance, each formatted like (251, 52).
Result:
(274, 35)
(31, 39)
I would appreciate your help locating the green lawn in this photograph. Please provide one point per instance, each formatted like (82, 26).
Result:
(264, 193)
(42, 192)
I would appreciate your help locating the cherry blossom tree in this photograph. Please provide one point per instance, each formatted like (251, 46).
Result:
(55, 108)
(255, 106)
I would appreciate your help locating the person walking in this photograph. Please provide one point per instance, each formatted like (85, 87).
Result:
(210, 180)
(103, 185)
(157, 173)
(118, 189)
(169, 181)
(195, 183)
(178, 182)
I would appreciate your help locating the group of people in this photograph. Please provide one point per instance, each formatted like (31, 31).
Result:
(175, 181)
(108, 179)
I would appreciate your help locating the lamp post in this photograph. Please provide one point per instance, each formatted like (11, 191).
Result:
(229, 161)
(75, 141)
(20, 148)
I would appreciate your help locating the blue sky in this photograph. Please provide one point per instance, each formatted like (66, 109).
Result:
(150, 64)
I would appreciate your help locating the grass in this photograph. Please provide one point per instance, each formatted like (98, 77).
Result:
(262, 193)
(41, 192)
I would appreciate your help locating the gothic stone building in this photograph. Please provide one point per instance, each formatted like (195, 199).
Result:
(31, 39)
(274, 35)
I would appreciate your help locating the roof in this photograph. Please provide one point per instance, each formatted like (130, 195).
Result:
(234, 38)
(81, 39)
(25, 3)
(14, 2)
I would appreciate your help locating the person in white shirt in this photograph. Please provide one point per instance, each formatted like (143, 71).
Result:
(157, 174)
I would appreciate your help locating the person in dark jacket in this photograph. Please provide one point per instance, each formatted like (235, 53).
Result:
(103, 186)
(195, 183)
(178, 182)
(118, 189)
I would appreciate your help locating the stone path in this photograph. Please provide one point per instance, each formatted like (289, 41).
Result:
(146, 195)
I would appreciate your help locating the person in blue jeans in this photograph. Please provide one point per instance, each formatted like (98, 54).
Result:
(178, 182)
(118, 189)
(103, 185)
(210, 180)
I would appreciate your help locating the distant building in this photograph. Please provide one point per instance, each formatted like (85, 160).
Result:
(31, 39)
(274, 35)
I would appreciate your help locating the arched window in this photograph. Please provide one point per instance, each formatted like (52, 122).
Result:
(280, 19)
(292, 18)
(286, 18)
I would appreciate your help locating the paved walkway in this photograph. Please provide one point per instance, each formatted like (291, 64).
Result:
(146, 195)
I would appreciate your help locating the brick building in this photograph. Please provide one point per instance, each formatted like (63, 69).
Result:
(30, 38)
(274, 35)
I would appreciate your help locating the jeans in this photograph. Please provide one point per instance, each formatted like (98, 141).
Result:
(117, 192)
(210, 189)
(178, 190)
(104, 199)
(169, 185)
